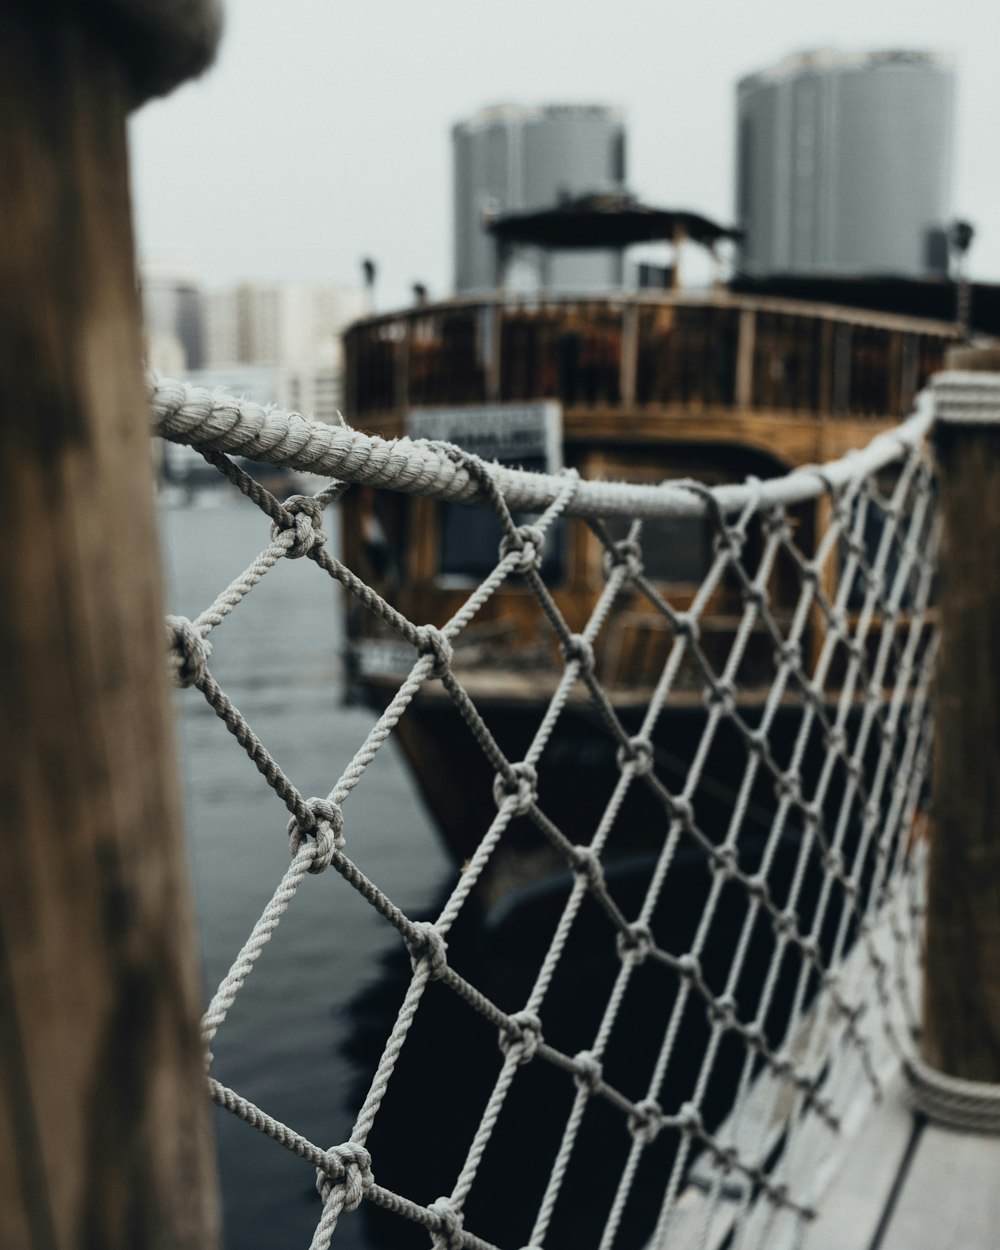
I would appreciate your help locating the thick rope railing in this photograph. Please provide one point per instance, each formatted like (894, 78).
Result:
(214, 421)
(833, 882)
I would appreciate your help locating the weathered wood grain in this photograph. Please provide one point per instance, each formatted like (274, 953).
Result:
(104, 1138)
(962, 986)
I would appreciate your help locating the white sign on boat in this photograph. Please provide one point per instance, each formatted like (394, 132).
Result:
(528, 434)
(377, 658)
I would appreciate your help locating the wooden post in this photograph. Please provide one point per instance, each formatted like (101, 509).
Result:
(962, 985)
(629, 359)
(743, 396)
(104, 1119)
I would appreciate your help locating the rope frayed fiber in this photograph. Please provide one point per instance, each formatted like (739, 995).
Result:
(215, 421)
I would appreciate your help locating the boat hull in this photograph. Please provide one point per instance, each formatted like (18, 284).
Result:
(579, 771)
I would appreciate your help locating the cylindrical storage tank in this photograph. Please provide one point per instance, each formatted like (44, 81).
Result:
(844, 164)
(511, 159)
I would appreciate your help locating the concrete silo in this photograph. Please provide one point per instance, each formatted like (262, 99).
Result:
(844, 164)
(507, 159)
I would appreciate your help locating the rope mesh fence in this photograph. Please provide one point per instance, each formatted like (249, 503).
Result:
(751, 882)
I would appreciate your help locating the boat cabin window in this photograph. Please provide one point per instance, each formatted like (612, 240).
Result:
(674, 549)
(469, 543)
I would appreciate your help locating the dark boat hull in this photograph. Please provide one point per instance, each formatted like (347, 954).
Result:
(579, 771)
(501, 940)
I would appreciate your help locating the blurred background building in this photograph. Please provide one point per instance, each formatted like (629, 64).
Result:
(508, 159)
(274, 342)
(844, 164)
(172, 305)
(279, 323)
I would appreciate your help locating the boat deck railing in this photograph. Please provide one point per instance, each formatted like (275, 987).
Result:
(643, 349)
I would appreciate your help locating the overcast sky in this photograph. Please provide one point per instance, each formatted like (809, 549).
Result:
(322, 134)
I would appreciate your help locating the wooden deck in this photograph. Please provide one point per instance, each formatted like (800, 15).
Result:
(906, 1184)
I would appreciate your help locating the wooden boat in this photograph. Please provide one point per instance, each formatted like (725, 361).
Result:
(640, 386)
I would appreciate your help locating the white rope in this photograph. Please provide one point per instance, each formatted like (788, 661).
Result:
(841, 963)
(970, 1105)
(213, 420)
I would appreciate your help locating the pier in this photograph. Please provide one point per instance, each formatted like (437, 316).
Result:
(746, 994)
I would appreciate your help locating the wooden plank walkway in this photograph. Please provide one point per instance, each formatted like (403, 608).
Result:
(906, 1184)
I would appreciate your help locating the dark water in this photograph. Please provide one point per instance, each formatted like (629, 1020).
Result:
(287, 1044)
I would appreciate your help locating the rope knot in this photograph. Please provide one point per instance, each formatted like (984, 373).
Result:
(755, 595)
(833, 862)
(529, 542)
(522, 786)
(349, 1165)
(812, 815)
(689, 967)
(689, 1118)
(586, 863)
(448, 1235)
(722, 1011)
(323, 825)
(782, 1064)
(636, 942)
(776, 525)
(682, 809)
(521, 1036)
(756, 742)
(645, 1120)
(836, 739)
(809, 948)
(790, 654)
(431, 641)
(428, 947)
(305, 531)
(189, 651)
(756, 886)
(588, 1070)
(722, 694)
(753, 1034)
(788, 785)
(729, 540)
(627, 554)
(686, 626)
(725, 861)
(577, 650)
(874, 696)
(638, 753)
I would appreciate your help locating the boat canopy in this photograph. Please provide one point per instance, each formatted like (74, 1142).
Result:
(606, 220)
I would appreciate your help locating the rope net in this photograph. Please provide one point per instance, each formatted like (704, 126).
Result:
(735, 924)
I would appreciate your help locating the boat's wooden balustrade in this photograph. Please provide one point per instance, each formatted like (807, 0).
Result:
(642, 351)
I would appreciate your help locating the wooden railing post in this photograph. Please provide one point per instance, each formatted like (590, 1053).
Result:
(962, 976)
(104, 1121)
